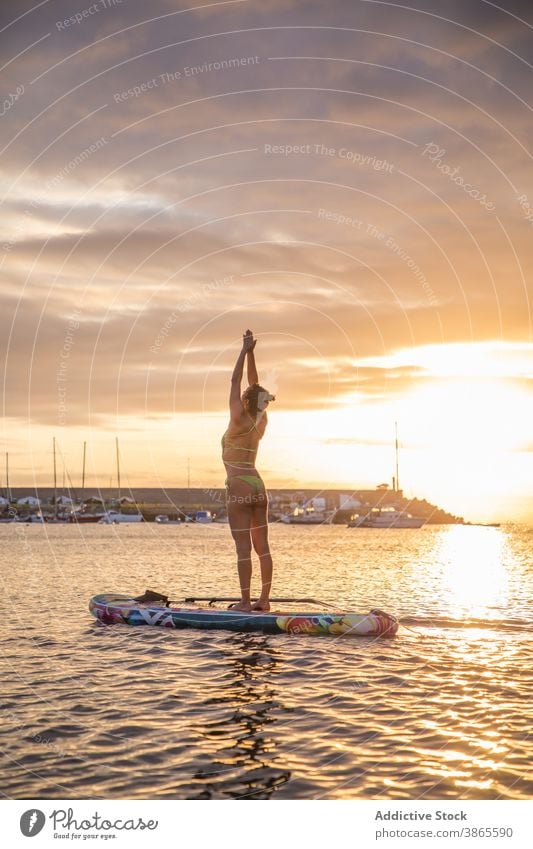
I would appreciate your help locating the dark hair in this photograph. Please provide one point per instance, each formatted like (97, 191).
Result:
(252, 396)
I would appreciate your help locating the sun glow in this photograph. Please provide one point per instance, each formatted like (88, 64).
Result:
(465, 426)
(462, 359)
(483, 412)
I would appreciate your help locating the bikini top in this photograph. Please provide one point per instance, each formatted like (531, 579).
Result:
(226, 444)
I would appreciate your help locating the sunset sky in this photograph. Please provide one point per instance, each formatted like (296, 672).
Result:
(352, 180)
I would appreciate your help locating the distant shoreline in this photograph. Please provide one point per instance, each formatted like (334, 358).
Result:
(158, 500)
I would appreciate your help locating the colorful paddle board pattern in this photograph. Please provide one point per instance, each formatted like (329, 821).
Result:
(111, 609)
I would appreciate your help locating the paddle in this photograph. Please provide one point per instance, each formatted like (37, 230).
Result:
(151, 596)
(212, 600)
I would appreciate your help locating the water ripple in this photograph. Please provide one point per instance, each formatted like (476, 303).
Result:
(442, 711)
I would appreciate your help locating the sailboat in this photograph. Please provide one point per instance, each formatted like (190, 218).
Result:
(8, 514)
(117, 517)
(388, 516)
(90, 510)
(55, 517)
(63, 505)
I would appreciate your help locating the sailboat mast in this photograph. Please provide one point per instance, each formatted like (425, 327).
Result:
(118, 473)
(83, 471)
(8, 490)
(396, 445)
(55, 479)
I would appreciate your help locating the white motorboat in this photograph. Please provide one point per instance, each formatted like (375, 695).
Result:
(113, 517)
(386, 517)
(308, 515)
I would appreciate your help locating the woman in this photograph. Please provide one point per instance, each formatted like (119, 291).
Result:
(246, 498)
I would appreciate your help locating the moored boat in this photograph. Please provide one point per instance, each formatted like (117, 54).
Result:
(312, 512)
(82, 517)
(113, 517)
(204, 517)
(386, 517)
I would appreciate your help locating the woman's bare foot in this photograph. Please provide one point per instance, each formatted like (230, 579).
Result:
(241, 606)
(261, 605)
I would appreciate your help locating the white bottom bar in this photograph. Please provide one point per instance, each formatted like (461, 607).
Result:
(350, 824)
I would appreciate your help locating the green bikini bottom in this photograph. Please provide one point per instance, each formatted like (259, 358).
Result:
(252, 480)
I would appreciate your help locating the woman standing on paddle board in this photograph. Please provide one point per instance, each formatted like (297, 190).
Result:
(246, 497)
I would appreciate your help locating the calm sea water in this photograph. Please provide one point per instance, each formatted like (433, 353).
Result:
(89, 711)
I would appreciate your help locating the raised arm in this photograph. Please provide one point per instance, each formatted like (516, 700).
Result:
(235, 403)
(251, 367)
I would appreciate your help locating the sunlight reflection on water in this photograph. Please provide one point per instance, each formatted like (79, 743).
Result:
(96, 711)
(477, 564)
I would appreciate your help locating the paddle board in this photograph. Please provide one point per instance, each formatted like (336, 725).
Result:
(112, 608)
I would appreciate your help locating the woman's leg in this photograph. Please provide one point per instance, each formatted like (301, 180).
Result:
(240, 517)
(259, 533)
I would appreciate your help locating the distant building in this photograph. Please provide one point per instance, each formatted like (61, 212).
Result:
(348, 502)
